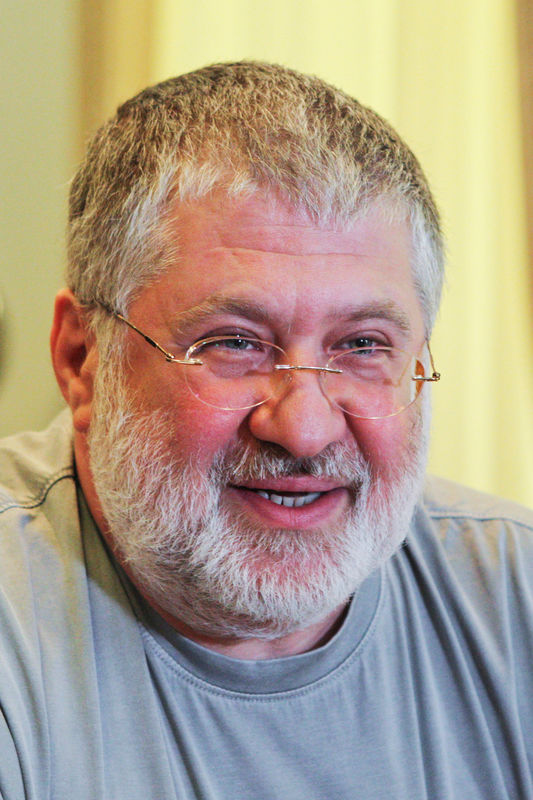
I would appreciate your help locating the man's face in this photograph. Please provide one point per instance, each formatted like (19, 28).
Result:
(210, 481)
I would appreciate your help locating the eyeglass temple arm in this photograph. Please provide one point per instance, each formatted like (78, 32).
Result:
(148, 339)
(435, 376)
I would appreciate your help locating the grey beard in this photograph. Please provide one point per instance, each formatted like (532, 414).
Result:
(216, 570)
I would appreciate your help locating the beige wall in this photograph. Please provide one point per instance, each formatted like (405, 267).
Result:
(39, 47)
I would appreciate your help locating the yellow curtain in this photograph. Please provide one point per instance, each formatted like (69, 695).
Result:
(525, 51)
(114, 47)
(446, 75)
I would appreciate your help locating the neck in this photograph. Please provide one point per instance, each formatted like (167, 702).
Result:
(250, 649)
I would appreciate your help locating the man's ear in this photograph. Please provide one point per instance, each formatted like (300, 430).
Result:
(74, 356)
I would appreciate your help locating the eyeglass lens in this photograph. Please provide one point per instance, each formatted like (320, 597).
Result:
(236, 373)
(239, 373)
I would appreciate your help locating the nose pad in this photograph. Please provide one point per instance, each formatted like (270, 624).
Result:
(299, 416)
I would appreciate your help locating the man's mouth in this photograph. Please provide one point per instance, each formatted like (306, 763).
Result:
(297, 502)
(289, 499)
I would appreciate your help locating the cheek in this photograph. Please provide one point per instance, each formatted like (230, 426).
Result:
(199, 431)
(385, 442)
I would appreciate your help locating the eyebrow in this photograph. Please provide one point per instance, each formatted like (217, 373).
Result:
(258, 312)
(221, 304)
(386, 310)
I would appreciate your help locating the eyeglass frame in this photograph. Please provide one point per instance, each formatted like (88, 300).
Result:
(170, 358)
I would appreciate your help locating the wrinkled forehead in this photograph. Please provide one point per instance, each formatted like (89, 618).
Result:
(250, 217)
(259, 258)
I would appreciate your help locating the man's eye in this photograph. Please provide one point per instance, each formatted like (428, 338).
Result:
(237, 344)
(229, 344)
(234, 356)
(365, 343)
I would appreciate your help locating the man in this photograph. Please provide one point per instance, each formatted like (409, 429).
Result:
(219, 576)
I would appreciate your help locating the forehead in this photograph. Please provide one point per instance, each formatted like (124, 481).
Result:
(258, 254)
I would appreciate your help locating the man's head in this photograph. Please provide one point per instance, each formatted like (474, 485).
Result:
(239, 128)
(249, 202)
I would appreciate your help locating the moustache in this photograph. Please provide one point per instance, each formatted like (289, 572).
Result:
(249, 461)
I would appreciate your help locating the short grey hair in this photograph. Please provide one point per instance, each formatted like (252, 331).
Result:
(241, 127)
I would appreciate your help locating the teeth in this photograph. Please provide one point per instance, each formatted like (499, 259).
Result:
(291, 501)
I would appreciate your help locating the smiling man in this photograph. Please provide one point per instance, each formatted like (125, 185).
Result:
(222, 571)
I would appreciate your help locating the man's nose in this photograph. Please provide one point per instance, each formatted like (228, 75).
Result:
(301, 419)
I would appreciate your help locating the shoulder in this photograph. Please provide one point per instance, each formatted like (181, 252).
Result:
(463, 583)
(39, 521)
(476, 550)
(41, 548)
(31, 463)
(444, 499)
(44, 614)
(475, 525)
(470, 526)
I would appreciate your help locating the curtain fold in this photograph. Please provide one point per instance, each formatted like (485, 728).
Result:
(524, 15)
(115, 55)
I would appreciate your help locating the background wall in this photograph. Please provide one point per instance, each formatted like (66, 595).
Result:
(37, 109)
(446, 75)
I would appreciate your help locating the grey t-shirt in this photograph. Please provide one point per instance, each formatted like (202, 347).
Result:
(425, 692)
